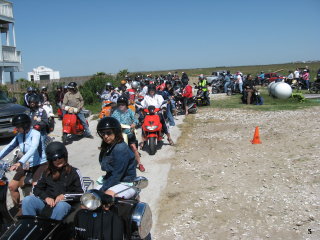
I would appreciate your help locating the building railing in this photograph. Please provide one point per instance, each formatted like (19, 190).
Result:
(10, 54)
(6, 9)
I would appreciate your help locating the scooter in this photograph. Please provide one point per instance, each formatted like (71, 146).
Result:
(71, 125)
(191, 104)
(92, 222)
(152, 127)
(106, 110)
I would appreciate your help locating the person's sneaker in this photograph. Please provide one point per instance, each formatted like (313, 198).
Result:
(141, 168)
(89, 136)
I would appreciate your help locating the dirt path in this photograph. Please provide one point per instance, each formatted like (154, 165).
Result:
(222, 187)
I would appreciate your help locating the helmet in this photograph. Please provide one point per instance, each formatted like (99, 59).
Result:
(56, 150)
(72, 85)
(123, 81)
(59, 88)
(122, 99)
(30, 89)
(201, 77)
(34, 98)
(151, 87)
(135, 84)
(65, 87)
(44, 88)
(21, 120)
(108, 84)
(108, 123)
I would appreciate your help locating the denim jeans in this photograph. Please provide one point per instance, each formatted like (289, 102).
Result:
(169, 115)
(31, 205)
(43, 137)
(226, 85)
(240, 87)
(84, 122)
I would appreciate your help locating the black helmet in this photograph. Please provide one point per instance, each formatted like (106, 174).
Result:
(122, 99)
(56, 150)
(30, 89)
(34, 98)
(72, 85)
(151, 87)
(108, 123)
(21, 120)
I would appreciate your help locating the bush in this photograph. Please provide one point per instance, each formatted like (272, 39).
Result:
(298, 96)
(95, 84)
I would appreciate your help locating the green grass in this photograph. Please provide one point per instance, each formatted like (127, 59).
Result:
(94, 108)
(270, 103)
(281, 69)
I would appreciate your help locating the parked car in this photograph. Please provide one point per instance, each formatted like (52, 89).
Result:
(271, 77)
(8, 109)
(215, 76)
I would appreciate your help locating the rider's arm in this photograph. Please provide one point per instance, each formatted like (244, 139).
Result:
(35, 140)
(81, 103)
(133, 118)
(115, 165)
(39, 189)
(76, 185)
(65, 101)
(12, 145)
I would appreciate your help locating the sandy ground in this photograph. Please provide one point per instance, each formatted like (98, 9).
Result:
(223, 187)
(84, 153)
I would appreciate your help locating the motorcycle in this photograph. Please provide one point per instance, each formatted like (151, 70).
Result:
(135, 218)
(71, 125)
(217, 86)
(191, 104)
(200, 96)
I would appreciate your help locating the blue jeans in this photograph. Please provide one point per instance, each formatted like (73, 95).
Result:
(84, 122)
(31, 205)
(169, 115)
(226, 85)
(43, 137)
(240, 87)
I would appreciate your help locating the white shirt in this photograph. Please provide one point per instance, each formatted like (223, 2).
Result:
(239, 79)
(296, 74)
(155, 101)
(144, 91)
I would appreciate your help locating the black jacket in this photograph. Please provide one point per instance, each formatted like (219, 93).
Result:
(68, 183)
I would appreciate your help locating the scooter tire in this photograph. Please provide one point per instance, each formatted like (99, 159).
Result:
(152, 145)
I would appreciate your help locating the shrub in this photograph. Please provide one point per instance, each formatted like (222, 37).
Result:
(298, 96)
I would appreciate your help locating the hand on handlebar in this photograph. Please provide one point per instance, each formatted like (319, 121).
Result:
(59, 198)
(15, 166)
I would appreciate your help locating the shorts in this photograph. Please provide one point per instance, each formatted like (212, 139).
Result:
(132, 139)
(127, 193)
(36, 172)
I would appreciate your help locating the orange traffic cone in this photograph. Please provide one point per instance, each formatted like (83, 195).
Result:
(256, 137)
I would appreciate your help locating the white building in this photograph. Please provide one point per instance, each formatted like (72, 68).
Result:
(43, 73)
(10, 58)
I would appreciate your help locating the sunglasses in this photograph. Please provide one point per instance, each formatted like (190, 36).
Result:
(106, 132)
(57, 156)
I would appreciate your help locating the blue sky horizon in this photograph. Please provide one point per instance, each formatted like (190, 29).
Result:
(81, 38)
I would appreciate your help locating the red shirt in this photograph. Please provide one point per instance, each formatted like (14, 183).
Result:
(187, 92)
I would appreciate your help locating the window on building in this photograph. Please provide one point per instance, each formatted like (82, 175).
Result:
(44, 77)
(32, 78)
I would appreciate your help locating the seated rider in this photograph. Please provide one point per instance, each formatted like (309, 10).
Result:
(60, 178)
(31, 163)
(126, 116)
(156, 100)
(116, 159)
(73, 99)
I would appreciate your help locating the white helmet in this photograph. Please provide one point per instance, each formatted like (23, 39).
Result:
(135, 84)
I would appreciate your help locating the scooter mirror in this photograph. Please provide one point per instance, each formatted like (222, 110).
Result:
(140, 182)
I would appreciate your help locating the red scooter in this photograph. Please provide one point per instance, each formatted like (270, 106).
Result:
(71, 125)
(152, 128)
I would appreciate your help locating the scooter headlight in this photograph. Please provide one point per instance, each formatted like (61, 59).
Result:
(151, 128)
(91, 200)
(142, 219)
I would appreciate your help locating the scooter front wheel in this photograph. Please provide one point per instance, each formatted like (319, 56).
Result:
(152, 145)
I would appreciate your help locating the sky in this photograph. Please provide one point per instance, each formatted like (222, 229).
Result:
(78, 37)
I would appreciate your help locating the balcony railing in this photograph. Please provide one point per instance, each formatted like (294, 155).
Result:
(10, 54)
(6, 9)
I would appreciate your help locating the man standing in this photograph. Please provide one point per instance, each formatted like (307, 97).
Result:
(204, 84)
(73, 99)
